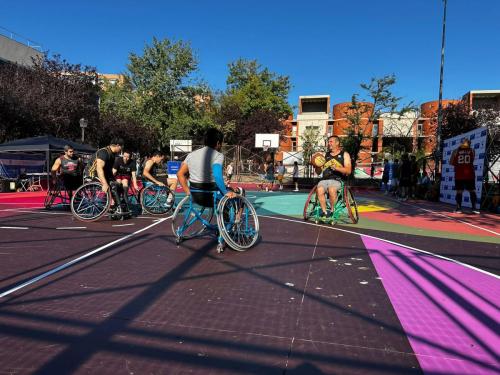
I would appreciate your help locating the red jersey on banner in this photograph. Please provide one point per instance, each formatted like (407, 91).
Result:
(463, 161)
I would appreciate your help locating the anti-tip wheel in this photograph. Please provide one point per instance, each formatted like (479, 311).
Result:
(220, 248)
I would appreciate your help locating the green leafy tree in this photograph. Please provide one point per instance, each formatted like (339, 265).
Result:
(312, 141)
(255, 102)
(361, 115)
(162, 81)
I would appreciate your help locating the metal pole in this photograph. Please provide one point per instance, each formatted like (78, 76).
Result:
(83, 135)
(440, 102)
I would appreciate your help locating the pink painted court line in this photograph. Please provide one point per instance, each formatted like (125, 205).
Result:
(449, 312)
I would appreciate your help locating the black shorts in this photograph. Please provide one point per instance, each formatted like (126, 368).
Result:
(465, 185)
(71, 182)
(295, 179)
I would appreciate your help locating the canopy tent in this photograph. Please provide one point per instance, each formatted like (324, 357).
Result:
(44, 143)
(44, 146)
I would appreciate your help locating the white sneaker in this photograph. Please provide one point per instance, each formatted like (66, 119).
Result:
(296, 190)
(474, 211)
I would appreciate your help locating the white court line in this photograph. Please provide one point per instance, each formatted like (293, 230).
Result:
(14, 228)
(63, 228)
(388, 241)
(453, 218)
(122, 225)
(27, 210)
(74, 261)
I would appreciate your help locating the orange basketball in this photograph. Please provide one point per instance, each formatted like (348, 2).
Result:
(318, 160)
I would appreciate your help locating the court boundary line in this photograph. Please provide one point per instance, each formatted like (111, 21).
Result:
(77, 260)
(452, 218)
(388, 241)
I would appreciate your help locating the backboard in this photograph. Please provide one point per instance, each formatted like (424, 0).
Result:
(266, 140)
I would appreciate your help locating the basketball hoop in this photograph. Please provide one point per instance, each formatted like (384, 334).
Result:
(265, 148)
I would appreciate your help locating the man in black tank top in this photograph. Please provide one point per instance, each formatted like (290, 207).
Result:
(337, 168)
(69, 167)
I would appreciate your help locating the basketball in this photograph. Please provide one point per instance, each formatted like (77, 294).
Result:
(318, 160)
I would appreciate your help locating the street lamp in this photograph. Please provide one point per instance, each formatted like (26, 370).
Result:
(440, 101)
(83, 125)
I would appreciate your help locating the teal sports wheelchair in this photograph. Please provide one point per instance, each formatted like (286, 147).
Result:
(233, 221)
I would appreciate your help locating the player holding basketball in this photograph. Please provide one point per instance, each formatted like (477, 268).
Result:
(336, 168)
(463, 161)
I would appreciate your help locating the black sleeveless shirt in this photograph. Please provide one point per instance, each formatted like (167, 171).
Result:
(329, 173)
(70, 166)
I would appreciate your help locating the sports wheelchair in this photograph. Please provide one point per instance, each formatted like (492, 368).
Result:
(154, 199)
(233, 221)
(56, 194)
(345, 206)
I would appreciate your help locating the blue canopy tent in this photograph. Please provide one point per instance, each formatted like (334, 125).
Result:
(34, 154)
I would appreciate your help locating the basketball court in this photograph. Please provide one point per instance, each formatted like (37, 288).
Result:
(412, 288)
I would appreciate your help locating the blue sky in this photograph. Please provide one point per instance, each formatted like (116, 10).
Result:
(326, 47)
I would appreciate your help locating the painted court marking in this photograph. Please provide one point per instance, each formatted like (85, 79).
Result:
(64, 228)
(74, 261)
(14, 228)
(453, 218)
(388, 241)
(452, 308)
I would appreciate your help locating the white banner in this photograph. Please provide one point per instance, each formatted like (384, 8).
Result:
(478, 139)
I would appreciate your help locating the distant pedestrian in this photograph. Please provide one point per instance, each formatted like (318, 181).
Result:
(413, 177)
(295, 175)
(463, 161)
(385, 177)
(280, 170)
(229, 172)
(404, 177)
(372, 171)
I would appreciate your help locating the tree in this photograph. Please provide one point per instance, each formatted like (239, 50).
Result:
(361, 115)
(255, 101)
(160, 79)
(48, 98)
(311, 139)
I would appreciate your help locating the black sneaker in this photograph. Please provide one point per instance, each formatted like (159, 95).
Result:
(458, 210)
(329, 214)
(323, 215)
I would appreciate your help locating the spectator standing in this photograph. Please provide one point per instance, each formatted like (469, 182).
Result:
(295, 175)
(413, 176)
(463, 161)
(229, 171)
(404, 177)
(280, 170)
(385, 177)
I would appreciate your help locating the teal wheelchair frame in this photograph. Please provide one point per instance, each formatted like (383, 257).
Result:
(233, 221)
(345, 206)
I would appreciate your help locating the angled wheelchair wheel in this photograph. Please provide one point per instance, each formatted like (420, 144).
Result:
(350, 205)
(186, 220)
(89, 202)
(311, 204)
(134, 203)
(238, 222)
(51, 196)
(154, 200)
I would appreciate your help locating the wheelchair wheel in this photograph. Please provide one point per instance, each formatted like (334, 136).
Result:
(311, 204)
(185, 223)
(238, 222)
(134, 203)
(89, 202)
(350, 205)
(154, 200)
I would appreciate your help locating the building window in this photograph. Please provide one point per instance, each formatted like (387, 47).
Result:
(420, 129)
(294, 144)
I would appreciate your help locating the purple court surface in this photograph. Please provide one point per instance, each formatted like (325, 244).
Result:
(411, 289)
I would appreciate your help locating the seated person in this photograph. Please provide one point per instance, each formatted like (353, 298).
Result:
(332, 175)
(150, 172)
(70, 168)
(101, 168)
(205, 169)
(124, 170)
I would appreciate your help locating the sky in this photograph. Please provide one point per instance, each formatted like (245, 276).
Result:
(325, 47)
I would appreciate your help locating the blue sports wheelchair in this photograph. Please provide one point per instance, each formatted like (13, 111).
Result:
(233, 221)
